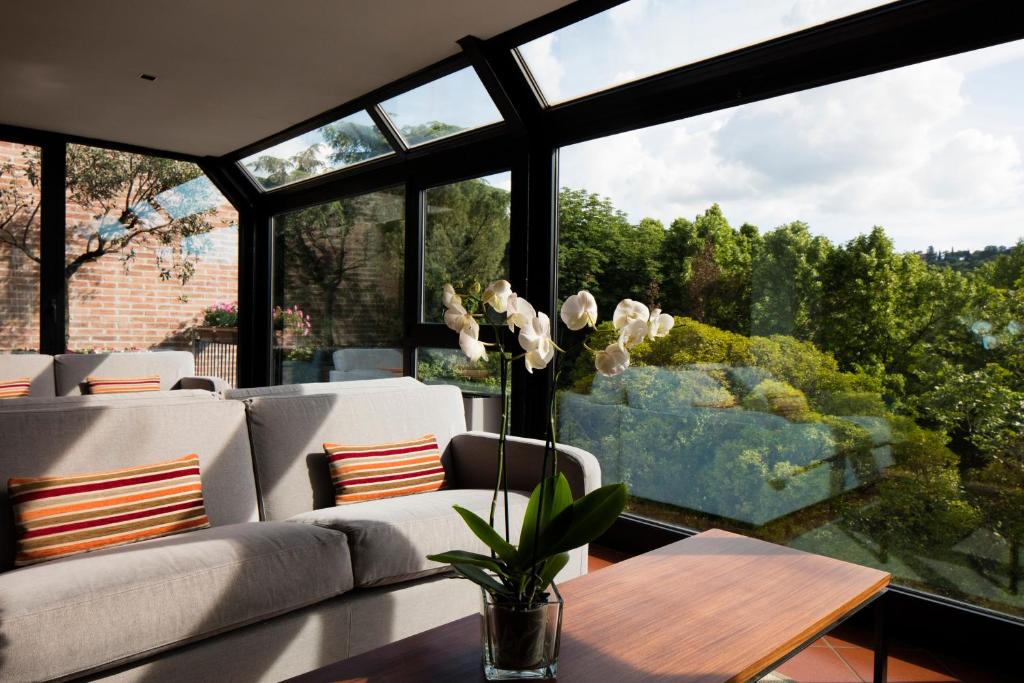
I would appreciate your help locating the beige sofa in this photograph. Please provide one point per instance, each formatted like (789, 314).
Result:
(284, 581)
(65, 374)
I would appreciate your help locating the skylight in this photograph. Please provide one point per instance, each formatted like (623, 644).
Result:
(450, 105)
(351, 140)
(640, 38)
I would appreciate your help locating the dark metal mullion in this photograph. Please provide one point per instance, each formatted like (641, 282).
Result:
(53, 290)
(476, 51)
(388, 129)
(413, 285)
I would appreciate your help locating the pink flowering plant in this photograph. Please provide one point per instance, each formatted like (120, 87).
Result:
(293, 320)
(224, 314)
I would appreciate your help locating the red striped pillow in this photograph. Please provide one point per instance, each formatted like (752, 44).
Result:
(66, 515)
(369, 472)
(122, 385)
(15, 388)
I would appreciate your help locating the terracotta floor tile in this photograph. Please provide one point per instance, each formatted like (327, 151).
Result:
(820, 642)
(818, 665)
(922, 669)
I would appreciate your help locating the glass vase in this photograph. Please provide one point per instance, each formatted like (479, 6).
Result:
(521, 642)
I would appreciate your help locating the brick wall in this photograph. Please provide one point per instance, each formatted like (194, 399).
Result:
(115, 305)
(19, 274)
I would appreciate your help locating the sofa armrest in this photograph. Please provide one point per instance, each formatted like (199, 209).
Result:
(475, 463)
(214, 384)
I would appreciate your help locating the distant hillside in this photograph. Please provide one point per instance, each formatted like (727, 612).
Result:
(963, 261)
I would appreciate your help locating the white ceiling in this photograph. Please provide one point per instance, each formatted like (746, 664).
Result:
(230, 72)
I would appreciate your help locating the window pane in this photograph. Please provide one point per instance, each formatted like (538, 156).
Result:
(466, 237)
(347, 141)
(645, 37)
(19, 247)
(151, 246)
(449, 105)
(338, 289)
(450, 366)
(846, 370)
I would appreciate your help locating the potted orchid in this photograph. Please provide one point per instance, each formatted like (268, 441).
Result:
(522, 609)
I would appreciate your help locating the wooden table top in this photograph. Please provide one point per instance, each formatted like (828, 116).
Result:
(714, 607)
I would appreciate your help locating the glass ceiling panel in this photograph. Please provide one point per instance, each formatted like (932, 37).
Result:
(345, 142)
(644, 37)
(453, 104)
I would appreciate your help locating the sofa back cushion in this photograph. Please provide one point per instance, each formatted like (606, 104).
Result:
(72, 369)
(384, 384)
(35, 403)
(60, 440)
(36, 366)
(288, 435)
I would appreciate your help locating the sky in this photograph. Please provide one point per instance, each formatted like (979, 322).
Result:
(931, 152)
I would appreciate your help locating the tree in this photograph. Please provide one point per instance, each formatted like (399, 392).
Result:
(589, 227)
(466, 236)
(785, 286)
(133, 200)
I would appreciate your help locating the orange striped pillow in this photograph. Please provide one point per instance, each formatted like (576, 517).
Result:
(122, 385)
(15, 388)
(66, 515)
(384, 470)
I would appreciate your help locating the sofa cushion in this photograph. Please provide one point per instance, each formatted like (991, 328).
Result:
(288, 435)
(35, 403)
(390, 538)
(36, 366)
(399, 468)
(58, 440)
(122, 385)
(91, 611)
(19, 387)
(72, 369)
(71, 514)
(387, 384)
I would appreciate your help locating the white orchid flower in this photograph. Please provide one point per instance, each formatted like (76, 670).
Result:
(612, 361)
(496, 295)
(519, 312)
(459, 319)
(535, 338)
(627, 311)
(579, 311)
(471, 346)
(448, 296)
(635, 332)
(660, 324)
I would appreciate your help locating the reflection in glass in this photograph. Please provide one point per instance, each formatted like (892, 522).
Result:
(450, 366)
(19, 246)
(838, 378)
(345, 142)
(645, 37)
(467, 234)
(455, 103)
(151, 245)
(338, 289)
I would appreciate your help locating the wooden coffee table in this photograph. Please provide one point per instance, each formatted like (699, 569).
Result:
(714, 607)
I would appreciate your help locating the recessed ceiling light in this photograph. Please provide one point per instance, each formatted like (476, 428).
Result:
(147, 77)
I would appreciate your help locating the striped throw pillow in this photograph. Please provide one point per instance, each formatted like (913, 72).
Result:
(15, 388)
(66, 515)
(368, 472)
(122, 385)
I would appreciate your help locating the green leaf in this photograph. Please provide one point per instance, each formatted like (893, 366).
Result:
(551, 568)
(454, 557)
(557, 497)
(592, 515)
(488, 535)
(481, 578)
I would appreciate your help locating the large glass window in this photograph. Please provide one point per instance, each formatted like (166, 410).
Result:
(455, 103)
(644, 37)
(151, 258)
(19, 247)
(338, 271)
(846, 370)
(466, 237)
(345, 142)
